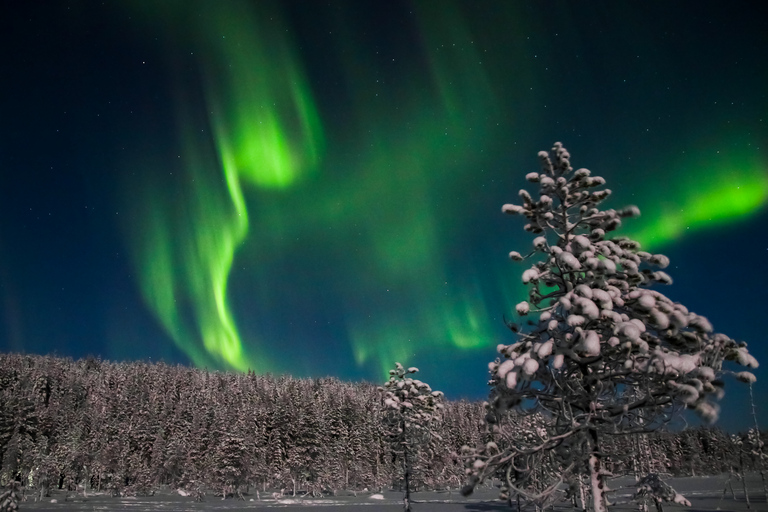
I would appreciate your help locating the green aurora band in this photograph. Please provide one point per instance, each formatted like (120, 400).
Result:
(709, 192)
(376, 215)
(266, 132)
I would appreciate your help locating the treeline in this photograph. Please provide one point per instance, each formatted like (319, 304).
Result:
(131, 427)
(691, 452)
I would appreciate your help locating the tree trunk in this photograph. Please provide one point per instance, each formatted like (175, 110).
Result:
(407, 500)
(645, 455)
(43, 490)
(743, 475)
(744, 487)
(596, 476)
(761, 455)
(85, 482)
(407, 467)
(635, 468)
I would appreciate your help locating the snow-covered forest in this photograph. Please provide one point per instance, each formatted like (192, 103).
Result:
(132, 427)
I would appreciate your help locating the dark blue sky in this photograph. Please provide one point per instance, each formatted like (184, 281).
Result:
(132, 227)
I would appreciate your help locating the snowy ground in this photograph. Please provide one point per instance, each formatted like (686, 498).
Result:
(705, 494)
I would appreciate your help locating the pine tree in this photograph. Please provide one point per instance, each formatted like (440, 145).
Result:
(410, 410)
(607, 353)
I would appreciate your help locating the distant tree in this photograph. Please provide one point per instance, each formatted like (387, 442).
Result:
(410, 410)
(755, 445)
(366, 449)
(755, 441)
(653, 488)
(201, 438)
(230, 470)
(738, 469)
(335, 450)
(259, 473)
(607, 354)
(232, 454)
(462, 425)
(19, 425)
(302, 431)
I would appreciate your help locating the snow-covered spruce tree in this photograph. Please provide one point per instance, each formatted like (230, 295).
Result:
(410, 409)
(607, 354)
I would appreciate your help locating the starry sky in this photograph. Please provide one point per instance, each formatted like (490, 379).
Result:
(315, 188)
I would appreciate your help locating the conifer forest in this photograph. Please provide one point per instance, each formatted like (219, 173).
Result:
(132, 427)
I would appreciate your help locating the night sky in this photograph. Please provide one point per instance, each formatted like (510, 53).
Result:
(315, 188)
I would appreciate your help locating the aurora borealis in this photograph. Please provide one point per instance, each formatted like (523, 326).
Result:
(315, 188)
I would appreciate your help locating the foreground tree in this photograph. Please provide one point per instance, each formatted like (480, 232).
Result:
(607, 354)
(410, 411)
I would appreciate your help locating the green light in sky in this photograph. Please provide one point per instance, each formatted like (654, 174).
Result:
(389, 201)
(264, 119)
(459, 321)
(382, 217)
(707, 193)
(184, 255)
(265, 132)
(455, 63)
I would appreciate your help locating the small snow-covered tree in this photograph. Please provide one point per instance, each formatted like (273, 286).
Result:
(608, 354)
(410, 411)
